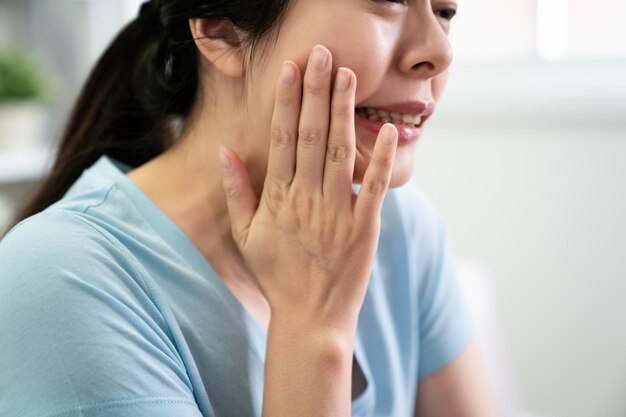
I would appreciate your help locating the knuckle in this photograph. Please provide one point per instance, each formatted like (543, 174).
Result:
(232, 190)
(310, 136)
(305, 210)
(330, 227)
(338, 153)
(282, 138)
(343, 109)
(375, 185)
(385, 161)
(314, 88)
(303, 205)
(284, 99)
(275, 198)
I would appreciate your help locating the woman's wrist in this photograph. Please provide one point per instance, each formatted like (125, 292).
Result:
(308, 369)
(331, 339)
(335, 328)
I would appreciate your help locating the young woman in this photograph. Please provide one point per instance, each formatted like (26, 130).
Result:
(217, 239)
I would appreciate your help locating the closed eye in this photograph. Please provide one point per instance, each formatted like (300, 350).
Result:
(447, 13)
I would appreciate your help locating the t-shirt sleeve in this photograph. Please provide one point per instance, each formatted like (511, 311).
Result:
(444, 327)
(80, 333)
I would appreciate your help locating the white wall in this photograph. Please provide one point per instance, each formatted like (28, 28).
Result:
(528, 165)
(527, 161)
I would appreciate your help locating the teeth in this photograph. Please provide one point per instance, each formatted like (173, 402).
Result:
(387, 117)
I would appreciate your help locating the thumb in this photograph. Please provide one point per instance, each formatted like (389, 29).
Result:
(240, 198)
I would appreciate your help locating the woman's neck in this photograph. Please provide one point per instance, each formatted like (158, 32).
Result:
(185, 182)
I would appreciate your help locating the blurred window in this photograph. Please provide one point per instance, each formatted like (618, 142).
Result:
(523, 30)
(596, 29)
(494, 30)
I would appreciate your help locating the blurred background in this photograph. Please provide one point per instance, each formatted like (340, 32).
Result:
(525, 158)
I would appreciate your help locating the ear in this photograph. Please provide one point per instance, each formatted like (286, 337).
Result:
(219, 42)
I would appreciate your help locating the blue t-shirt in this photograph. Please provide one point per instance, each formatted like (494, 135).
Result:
(108, 309)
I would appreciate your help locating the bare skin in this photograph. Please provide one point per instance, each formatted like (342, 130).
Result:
(274, 223)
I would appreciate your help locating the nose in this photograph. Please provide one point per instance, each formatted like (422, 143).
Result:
(427, 51)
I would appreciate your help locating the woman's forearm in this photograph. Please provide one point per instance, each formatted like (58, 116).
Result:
(308, 371)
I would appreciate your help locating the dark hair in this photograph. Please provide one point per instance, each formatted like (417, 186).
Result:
(147, 77)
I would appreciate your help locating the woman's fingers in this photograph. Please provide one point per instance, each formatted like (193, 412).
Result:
(313, 145)
(340, 152)
(376, 179)
(240, 198)
(282, 154)
(314, 118)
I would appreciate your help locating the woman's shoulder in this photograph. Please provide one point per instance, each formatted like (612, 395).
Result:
(81, 228)
(81, 321)
(64, 235)
(60, 249)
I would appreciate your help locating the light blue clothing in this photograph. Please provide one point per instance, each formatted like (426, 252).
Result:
(108, 309)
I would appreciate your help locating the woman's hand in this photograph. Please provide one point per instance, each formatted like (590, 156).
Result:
(310, 240)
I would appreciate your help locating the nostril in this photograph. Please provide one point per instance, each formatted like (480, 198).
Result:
(430, 66)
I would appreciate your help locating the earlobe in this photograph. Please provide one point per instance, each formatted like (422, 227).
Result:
(219, 42)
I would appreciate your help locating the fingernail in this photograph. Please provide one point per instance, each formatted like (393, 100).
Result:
(224, 160)
(287, 74)
(319, 58)
(388, 134)
(343, 80)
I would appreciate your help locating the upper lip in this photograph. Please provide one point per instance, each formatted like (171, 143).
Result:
(415, 108)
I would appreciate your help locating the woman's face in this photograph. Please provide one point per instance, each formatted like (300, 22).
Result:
(398, 50)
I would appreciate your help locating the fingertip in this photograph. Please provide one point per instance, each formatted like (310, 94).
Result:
(225, 161)
(287, 73)
(288, 85)
(389, 133)
(343, 80)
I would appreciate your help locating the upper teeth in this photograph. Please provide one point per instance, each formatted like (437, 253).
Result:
(387, 117)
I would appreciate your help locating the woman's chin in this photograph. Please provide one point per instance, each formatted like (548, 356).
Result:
(400, 175)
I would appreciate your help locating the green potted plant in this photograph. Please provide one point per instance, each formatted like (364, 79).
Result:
(23, 95)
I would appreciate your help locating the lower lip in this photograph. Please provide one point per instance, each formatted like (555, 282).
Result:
(406, 134)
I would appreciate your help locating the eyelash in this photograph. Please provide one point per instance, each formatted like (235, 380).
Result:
(446, 13)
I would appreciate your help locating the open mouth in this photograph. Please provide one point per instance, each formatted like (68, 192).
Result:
(401, 119)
